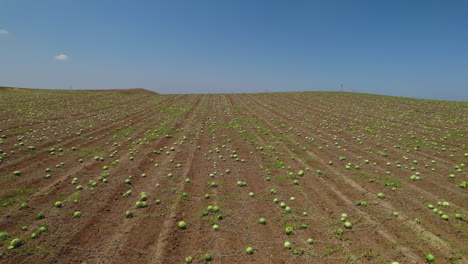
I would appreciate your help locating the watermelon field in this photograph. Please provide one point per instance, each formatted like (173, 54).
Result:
(306, 177)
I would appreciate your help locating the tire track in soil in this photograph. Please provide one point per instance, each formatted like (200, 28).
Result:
(218, 243)
(45, 157)
(251, 209)
(437, 186)
(73, 117)
(158, 246)
(248, 210)
(170, 246)
(51, 185)
(116, 240)
(98, 217)
(311, 256)
(227, 196)
(280, 255)
(327, 198)
(88, 165)
(304, 106)
(137, 242)
(199, 238)
(413, 189)
(384, 234)
(439, 244)
(368, 104)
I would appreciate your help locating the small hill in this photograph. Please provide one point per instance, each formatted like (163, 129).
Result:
(126, 91)
(2, 88)
(122, 91)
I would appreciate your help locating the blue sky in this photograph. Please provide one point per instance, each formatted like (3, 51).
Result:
(416, 48)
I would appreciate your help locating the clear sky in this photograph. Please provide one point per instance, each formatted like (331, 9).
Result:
(415, 48)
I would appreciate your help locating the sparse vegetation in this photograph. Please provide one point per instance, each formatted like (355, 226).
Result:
(225, 178)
